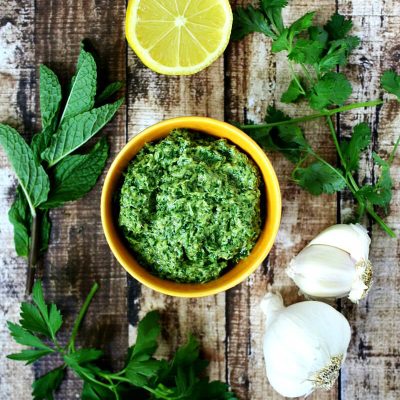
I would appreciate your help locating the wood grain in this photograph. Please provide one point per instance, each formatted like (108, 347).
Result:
(372, 367)
(17, 106)
(257, 79)
(153, 97)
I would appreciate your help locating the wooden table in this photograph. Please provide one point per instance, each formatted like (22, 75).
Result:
(240, 84)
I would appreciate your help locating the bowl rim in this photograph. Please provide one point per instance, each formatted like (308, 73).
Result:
(243, 268)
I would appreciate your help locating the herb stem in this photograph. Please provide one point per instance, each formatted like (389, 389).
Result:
(311, 117)
(81, 315)
(380, 221)
(33, 254)
(296, 79)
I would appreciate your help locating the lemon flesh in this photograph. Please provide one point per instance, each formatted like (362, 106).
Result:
(178, 37)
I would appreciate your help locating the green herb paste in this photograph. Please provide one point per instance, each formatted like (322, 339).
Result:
(190, 206)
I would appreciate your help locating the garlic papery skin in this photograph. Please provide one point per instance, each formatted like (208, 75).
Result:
(352, 238)
(334, 264)
(305, 345)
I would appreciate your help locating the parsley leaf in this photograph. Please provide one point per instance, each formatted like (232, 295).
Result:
(44, 387)
(390, 81)
(307, 51)
(248, 20)
(293, 93)
(351, 149)
(319, 178)
(338, 27)
(332, 89)
(22, 336)
(29, 356)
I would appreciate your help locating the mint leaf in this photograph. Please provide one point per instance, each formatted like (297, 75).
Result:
(318, 178)
(32, 177)
(19, 218)
(352, 148)
(29, 356)
(111, 89)
(50, 97)
(146, 342)
(293, 93)
(77, 130)
(338, 27)
(83, 87)
(307, 51)
(44, 387)
(248, 20)
(332, 89)
(76, 175)
(390, 81)
(22, 336)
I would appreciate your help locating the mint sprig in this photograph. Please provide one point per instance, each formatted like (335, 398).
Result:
(49, 171)
(143, 376)
(315, 55)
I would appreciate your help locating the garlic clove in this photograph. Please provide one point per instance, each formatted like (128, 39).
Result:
(323, 271)
(352, 238)
(305, 345)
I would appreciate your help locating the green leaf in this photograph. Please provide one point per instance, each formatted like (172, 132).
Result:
(83, 87)
(110, 89)
(29, 356)
(40, 142)
(306, 51)
(32, 319)
(390, 81)
(352, 149)
(19, 218)
(338, 27)
(44, 387)
(317, 33)
(32, 177)
(77, 130)
(302, 24)
(379, 194)
(83, 356)
(50, 97)
(248, 20)
(92, 391)
(282, 42)
(55, 318)
(146, 342)
(293, 93)
(273, 10)
(139, 372)
(76, 175)
(24, 337)
(332, 89)
(318, 178)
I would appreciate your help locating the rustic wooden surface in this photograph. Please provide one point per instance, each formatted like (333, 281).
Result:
(240, 85)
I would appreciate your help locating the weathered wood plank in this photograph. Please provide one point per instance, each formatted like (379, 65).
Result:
(372, 367)
(79, 255)
(256, 79)
(17, 104)
(152, 98)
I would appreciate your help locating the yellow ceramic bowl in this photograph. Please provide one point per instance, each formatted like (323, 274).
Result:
(244, 267)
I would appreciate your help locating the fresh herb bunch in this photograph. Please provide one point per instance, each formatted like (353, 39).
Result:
(315, 55)
(142, 377)
(48, 170)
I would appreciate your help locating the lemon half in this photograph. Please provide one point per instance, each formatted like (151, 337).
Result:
(178, 37)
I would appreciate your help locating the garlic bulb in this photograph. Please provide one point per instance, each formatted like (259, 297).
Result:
(305, 345)
(334, 264)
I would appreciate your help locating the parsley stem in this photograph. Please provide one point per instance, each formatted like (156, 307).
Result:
(81, 315)
(296, 79)
(311, 117)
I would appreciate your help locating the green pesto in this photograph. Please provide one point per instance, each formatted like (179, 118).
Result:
(190, 206)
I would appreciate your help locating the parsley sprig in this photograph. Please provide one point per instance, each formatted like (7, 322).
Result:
(49, 171)
(142, 377)
(315, 56)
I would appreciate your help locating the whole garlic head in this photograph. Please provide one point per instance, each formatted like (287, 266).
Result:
(334, 264)
(305, 345)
